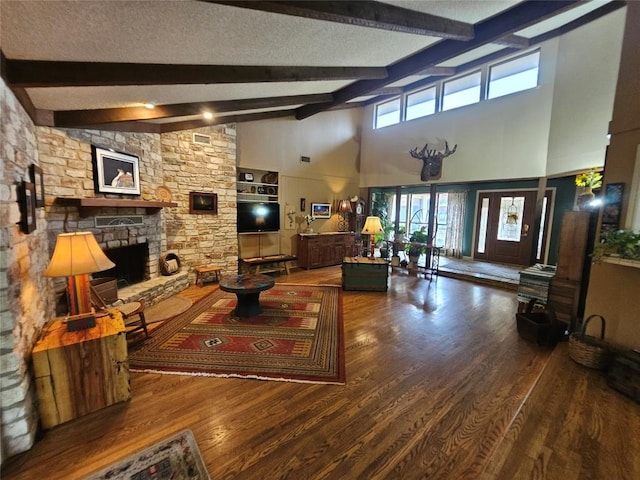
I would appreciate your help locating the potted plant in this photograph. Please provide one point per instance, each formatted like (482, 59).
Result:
(623, 243)
(414, 251)
(588, 181)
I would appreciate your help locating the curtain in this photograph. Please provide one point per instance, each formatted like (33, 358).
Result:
(455, 223)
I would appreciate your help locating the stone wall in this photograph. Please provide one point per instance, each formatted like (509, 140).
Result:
(201, 239)
(26, 299)
(68, 169)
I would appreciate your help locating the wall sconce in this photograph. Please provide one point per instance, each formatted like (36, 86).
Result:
(344, 209)
(75, 256)
(372, 226)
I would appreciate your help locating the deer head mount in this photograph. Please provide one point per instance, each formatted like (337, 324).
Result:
(431, 160)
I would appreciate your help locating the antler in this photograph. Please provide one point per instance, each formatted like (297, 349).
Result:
(426, 154)
(448, 152)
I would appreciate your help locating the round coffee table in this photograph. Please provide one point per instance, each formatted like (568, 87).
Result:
(247, 288)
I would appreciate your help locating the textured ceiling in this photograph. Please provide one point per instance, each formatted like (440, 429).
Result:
(179, 33)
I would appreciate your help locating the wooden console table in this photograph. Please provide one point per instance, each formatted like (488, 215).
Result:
(82, 371)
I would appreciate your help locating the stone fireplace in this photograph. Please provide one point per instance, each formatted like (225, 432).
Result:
(132, 264)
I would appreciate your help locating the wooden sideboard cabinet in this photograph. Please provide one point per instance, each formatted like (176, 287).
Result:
(81, 371)
(324, 249)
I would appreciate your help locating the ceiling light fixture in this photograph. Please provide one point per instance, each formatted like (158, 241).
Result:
(207, 115)
(150, 105)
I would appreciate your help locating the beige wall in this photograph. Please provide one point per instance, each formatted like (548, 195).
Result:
(556, 128)
(584, 88)
(614, 289)
(331, 140)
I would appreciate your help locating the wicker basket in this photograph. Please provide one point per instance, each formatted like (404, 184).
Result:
(587, 350)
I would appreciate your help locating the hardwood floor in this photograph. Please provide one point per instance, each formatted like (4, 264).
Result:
(439, 386)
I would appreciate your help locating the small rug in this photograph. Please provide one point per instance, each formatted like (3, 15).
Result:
(175, 458)
(166, 309)
(298, 337)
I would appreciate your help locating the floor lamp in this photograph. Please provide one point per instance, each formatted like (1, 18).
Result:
(372, 226)
(75, 256)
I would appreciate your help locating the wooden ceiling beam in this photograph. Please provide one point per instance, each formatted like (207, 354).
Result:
(387, 91)
(39, 74)
(513, 41)
(440, 71)
(77, 118)
(365, 14)
(520, 16)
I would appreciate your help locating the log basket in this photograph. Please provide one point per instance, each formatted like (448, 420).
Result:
(170, 264)
(588, 350)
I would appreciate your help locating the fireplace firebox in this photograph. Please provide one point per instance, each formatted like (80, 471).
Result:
(131, 264)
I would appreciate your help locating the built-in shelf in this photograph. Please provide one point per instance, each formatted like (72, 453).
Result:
(86, 205)
(626, 262)
(257, 185)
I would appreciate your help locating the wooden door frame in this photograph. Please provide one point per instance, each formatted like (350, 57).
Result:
(548, 219)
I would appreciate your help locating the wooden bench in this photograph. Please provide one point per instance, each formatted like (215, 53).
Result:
(202, 272)
(274, 263)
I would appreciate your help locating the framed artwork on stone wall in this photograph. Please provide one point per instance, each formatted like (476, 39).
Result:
(27, 202)
(37, 179)
(203, 202)
(115, 172)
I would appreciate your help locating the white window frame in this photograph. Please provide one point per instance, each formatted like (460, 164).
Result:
(471, 80)
(510, 69)
(408, 96)
(382, 105)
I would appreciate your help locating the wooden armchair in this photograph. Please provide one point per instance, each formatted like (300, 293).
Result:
(132, 312)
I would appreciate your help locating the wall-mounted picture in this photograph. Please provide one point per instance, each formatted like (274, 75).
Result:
(115, 172)
(321, 210)
(27, 201)
(37, 179)
(203, 202)
(612, 206)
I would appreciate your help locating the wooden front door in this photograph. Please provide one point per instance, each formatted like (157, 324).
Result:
(504, 222)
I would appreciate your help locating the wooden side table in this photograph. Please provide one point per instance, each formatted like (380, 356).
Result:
(247, 288)
(79, 372)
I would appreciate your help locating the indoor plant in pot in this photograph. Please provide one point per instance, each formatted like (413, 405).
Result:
(414, 251)
(623, 243)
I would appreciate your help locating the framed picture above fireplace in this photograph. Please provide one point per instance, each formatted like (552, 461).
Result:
(115, 172)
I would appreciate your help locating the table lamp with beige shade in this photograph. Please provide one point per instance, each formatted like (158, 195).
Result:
(372, 226)
(75, 256)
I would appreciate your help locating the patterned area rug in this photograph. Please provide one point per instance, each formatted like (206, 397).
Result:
(176, 458)
(298, 337)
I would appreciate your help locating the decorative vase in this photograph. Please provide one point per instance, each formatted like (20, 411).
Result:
(309, 229)
(584, 199)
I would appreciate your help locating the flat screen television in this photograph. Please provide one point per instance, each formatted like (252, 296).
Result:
(256, 217)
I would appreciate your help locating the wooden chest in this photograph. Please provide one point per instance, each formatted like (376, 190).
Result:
(365, 274)
(624, 374)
